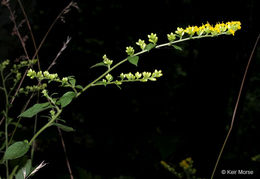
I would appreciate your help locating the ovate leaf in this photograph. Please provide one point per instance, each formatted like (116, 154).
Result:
(64, 127)
(177, 47)
(133, 60)
(16, 150)
(79, 87)
(35, 109)
(149, 46)
(66, 98)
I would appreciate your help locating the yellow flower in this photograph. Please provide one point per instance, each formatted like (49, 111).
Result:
(231, 31)
(184, 164)
(191, 30)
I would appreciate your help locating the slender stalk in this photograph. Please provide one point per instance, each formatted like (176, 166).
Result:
(30, 30)
(12, 17)
(236, 107)
(6, 119)
(65, 153)
(35, 128)
(46, 125)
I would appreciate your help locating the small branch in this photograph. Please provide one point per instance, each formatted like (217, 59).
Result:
(30, 30)
(64, 11)
(65, 44)
(236, 107)
(46, 126)
(16, 29)
(139, 53)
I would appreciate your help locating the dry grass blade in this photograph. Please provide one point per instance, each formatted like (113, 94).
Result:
(41, 165)
(236, 106)
(65, 44)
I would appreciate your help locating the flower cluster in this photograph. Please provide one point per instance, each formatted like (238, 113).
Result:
(187, 165)
(206, 29)
(130, 77)
(141, 44)
(107, 61)
(4, 64)
(130, 51)
(143, 77)
(32, 89)
(153, 38)
(46, 76)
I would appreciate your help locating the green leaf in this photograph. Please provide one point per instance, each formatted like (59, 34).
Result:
(177, 47)
(98, 65)
(149, 46)
(66, 98)
(79, 87)
(27, 168)
(64, 127)
(35, 109)
(133, 60)
(16, 150)
(72, 80)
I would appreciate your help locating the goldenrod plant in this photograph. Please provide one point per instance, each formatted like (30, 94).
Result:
(53, 104)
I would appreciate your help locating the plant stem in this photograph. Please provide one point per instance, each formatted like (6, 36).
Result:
(30, 30)
(46, 125)
(236, 107)
(65, 152)
(6, 119)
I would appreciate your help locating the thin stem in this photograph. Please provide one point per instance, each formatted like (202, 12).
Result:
(236, 107)
(46, 125)
(12, 17)
(6, 119)
(30, 30)
(19, 119)
(65, 152)
(115, 82)
(35, 128)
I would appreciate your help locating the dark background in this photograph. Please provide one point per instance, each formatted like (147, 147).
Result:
(186, 113)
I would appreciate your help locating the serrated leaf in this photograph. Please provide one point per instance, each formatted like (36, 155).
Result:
(35, 109)
(98, 65)
(64, 127)
(133, 60)
(66, 98)
(16, 150)
(149, 46)
(177, 47)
